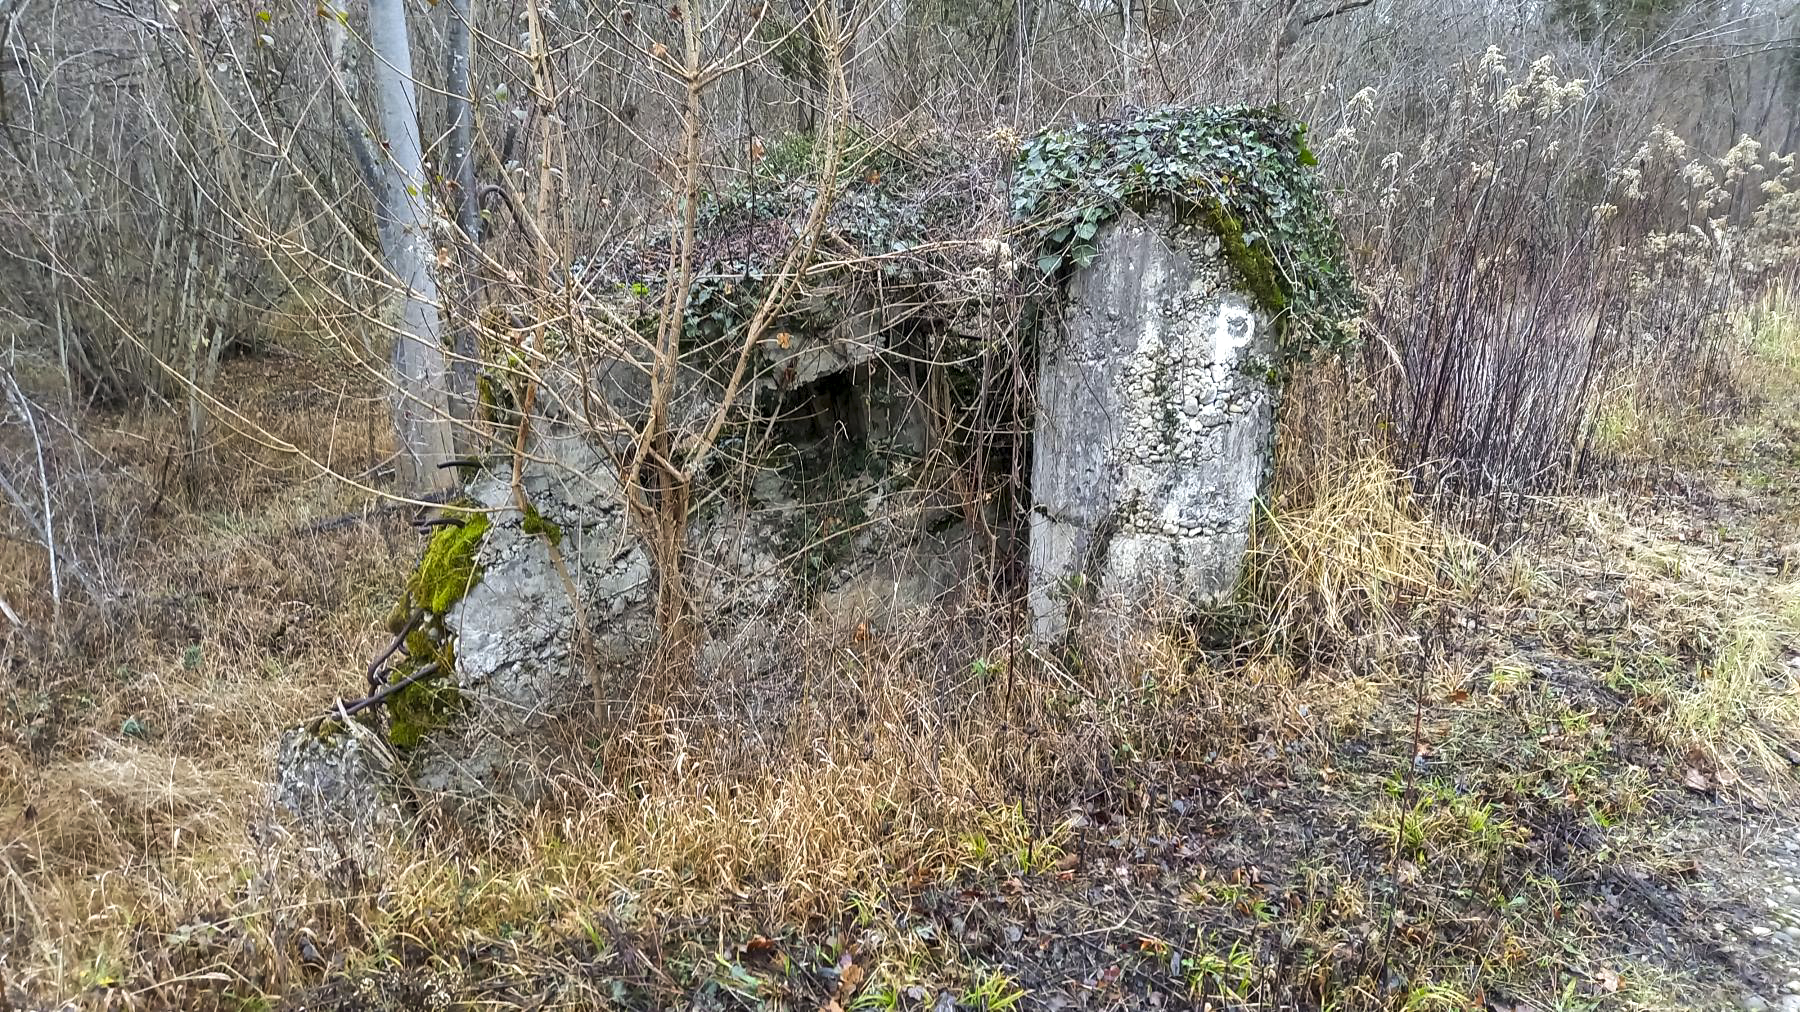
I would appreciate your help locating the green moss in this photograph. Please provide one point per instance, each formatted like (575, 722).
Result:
(432, 701)
(535, 524)
(495, 400)
(425, 705)
(448, 569)
(1250, 259)
(419, 645)
(446, 572)
(397, 618)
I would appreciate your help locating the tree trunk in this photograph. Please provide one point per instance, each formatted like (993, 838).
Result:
(459, 168)
(1011, 67)
(811, 72)
(460, 160)
(1128, 50)
(341, 68)
(421, 372)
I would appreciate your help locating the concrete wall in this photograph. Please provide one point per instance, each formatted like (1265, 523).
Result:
(1155, 430)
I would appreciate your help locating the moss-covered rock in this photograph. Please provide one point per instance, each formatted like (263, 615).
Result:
(445, 573)
(423, 706)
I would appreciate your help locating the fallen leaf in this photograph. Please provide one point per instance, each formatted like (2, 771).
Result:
(1694, 780)
(784, 339)
(848, 980)
(1608, 979)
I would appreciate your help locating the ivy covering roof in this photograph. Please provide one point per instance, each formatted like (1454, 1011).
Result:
(932, 232)
(918, 228)
(1246, 172)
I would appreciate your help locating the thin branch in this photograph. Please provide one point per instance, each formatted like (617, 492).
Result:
(1343, 8)
(375, 699)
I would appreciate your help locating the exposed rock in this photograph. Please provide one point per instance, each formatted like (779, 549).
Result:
(516, 634)
(1155, 429)
(799, 358)
(516, 627)
(896, 584)
(337, 788)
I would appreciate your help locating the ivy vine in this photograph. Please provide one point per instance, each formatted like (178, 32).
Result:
(1244, 172)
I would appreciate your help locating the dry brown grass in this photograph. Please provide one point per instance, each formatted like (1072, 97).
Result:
(136, 740)
(878, 768)
(1705, 637)
(1350, 548)
(915, 758)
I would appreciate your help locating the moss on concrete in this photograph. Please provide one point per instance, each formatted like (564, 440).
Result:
(1244, 173)
(1249, 258)
(535, 525)
(449, 568)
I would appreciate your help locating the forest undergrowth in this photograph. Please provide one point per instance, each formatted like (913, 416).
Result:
(1407, 770)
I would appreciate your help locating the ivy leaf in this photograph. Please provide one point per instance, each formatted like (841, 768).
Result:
(1049, 262)
(1086, 230)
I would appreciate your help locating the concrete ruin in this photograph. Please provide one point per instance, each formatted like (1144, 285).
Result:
(1154, 431)
(1150, 343)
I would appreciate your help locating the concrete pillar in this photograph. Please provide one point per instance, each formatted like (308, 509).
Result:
(1155, 430)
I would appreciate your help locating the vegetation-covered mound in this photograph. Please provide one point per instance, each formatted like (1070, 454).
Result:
(919, 225)
(925, 226)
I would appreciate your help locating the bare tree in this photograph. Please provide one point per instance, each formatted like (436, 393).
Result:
(422, 419)
(459, 173)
